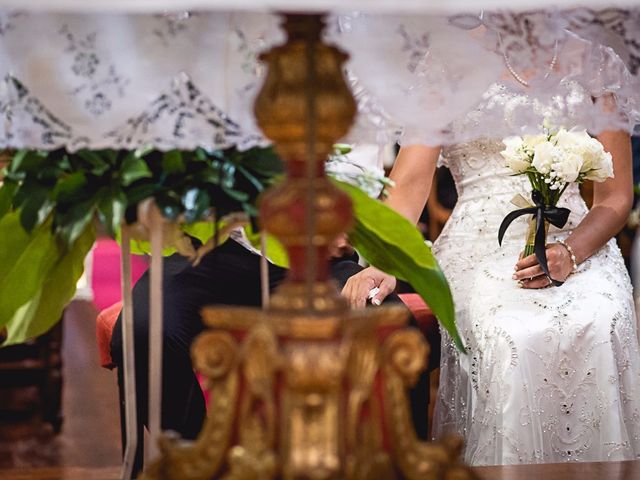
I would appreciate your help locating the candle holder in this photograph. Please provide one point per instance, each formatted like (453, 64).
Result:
(307, 388)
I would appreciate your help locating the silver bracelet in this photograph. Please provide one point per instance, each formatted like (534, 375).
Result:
(571, 254)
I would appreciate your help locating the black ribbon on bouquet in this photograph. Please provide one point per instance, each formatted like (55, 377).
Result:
(556, 216)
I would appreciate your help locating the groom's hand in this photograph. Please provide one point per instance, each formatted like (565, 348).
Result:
(357, 288)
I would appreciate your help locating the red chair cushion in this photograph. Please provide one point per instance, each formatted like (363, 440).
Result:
(105, 322)
(427, 323)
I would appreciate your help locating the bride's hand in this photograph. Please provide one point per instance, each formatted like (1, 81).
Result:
(357, 288)
(530, 274)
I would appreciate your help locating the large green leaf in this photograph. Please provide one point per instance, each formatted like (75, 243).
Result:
(45, 308)
(25, 260)
(391, 243)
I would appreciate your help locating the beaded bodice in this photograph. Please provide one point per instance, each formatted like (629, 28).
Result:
(485, 189)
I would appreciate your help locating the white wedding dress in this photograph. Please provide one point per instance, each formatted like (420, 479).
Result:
(550, 375)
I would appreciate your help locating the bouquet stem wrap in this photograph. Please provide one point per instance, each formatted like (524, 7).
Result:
(542, 214)
(529, 247)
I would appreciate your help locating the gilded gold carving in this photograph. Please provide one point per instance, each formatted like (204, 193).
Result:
(302, 67)
(404, 355)
(311, 428)
(255, 458)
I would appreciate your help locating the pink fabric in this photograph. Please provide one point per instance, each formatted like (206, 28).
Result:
(105, 280)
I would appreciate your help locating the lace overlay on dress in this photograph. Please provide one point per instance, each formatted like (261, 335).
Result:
(550, 375)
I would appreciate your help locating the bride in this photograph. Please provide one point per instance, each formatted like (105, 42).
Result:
(551, 374)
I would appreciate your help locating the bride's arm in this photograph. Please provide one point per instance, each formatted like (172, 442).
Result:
(612, 201)
(412, 175)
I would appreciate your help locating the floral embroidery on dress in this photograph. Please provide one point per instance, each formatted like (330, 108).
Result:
(550, 375)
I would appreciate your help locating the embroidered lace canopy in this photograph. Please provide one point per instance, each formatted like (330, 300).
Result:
(112, 78)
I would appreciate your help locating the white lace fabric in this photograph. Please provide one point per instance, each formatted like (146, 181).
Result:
(182, 80)
(550, 375)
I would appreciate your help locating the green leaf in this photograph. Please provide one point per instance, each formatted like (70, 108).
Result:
(203, 231)
(142, 247)
(249, 176)
(391, 243)
(68, 186)
(235, 194)
(35, 208)
(275, 251)
(139, 193)
(342, 148)
(45, 308)
(72, 223)
(196, 203)
(172, 162)
(111, 211)
(169, 206)
(263, 162)
(27, 161)
(143, 151)
(98, 166)
(25, 260)
(16, 161)
(7, 191)
(133, 168)
(228, 171)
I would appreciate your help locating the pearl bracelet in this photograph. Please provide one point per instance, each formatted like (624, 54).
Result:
(571, 254)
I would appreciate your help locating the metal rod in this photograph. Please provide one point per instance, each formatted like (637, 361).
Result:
(128, 353)
(155, 335)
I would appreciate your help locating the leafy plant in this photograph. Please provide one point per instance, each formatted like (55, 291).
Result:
(50, 201)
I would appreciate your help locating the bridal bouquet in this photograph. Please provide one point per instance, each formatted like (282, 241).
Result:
(551, 161)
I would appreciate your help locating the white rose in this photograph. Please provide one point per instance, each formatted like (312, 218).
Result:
(543, 157)
(568, 167)
(571, 139)
(530, 141)
(601, 169)
(516, 158)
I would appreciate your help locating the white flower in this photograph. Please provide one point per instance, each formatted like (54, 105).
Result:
(574, 139)
(567, 167)
(544, 155)
(598, 164)
(602, 169)
(531, 141)
(516, 158)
